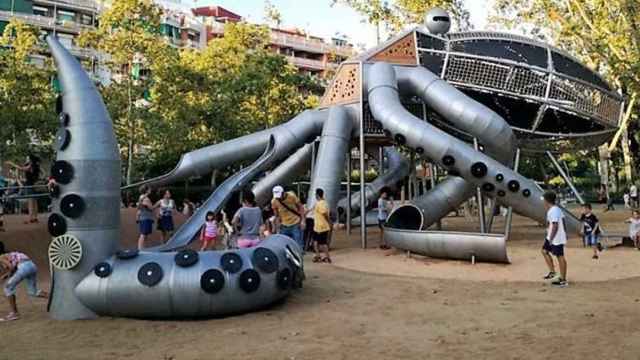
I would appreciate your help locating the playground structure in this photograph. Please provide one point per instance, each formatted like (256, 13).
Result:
(472, 110)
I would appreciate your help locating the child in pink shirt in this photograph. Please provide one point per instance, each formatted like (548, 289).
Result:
(209, 232)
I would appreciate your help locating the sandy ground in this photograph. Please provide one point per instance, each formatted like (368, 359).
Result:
(373, 313)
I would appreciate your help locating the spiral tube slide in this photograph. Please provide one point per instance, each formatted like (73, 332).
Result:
(189, 284)
(466, 114)
(495, 179)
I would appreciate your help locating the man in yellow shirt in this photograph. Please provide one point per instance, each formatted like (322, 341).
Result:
(321, 228)
(289, 211)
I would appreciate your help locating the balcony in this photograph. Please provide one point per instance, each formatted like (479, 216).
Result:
(44, 22)
(307, 63)
(309, 45)
(86, 5)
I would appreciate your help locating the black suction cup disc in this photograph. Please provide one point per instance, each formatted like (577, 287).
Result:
(419, 150)
(448, 160)
(72, 206)
(488, 187)
(63, 118)
(231, 262)
(102, 270)
(513, 185)
(501, 193)
(284, 279)
(57, 225)
(63, 138)
(212, 281)
(186, 258)
(526, 192)
(150, 274)
(499, 177)
(62, 172)
(249, 280)
(265, 260)
(127, 254)
(400, 139)
(59, 104)
(479, 169)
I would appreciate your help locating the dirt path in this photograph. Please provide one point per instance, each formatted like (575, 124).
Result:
(345, 314)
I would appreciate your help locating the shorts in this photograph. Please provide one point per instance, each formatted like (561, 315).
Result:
(145, 227)
(27, 271)
(555, 250)
(248, 242)
(165, 223)
(209, 239)
(382, 223)
(590, 239)
(321, 238)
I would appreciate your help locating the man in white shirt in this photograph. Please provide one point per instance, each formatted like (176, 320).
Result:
(555, 240)
(633, 193)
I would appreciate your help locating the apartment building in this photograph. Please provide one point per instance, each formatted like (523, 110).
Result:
(310, 54)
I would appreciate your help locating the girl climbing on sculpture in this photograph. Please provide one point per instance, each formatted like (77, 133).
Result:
(16, 267)
(209, 232)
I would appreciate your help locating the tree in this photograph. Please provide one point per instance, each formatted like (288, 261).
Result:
(272, 15)
(604, 34)
(399, 13)
(129, 32)
(27, 98)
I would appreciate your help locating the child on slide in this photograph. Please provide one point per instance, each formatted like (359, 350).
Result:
(16, 267)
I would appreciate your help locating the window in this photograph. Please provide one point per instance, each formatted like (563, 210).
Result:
(66, 15)
(86, 19)
(41, 11)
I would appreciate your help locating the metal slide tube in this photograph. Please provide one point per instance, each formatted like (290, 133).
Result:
(397, 169)
(565, 177)
(295, 165)
(475, 167)
(188, 232)
(289, 136)
(450, 245)
(87, 171)
(466, 114)
(332, 153)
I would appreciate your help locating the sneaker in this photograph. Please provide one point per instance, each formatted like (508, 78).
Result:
(550, 275)
(560, 283)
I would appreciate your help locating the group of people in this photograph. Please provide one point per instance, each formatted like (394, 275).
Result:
(28, 175)
(250, 223)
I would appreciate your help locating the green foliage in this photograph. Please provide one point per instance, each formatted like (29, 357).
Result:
(396, 14)
(26, 96)
(186, 99)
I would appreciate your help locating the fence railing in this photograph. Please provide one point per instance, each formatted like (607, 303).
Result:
(44, 21)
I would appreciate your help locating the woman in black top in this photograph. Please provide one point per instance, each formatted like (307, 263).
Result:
(31, 171)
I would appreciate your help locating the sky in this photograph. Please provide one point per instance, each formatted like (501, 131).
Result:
(319, 18)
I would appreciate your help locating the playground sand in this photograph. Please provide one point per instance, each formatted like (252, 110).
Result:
(344, 314)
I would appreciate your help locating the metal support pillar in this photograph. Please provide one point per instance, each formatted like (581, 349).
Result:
(363, 197)
(348, 221)
(565, 176)
(507, 222)
(480, 197)
(434, 174)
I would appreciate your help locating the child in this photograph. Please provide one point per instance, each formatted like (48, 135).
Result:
(634, 227)
(17, 267)
(384, 207)
(209, 233)
(590, 229)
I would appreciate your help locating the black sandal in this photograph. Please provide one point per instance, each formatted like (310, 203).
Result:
(326, 260)
(316, 259)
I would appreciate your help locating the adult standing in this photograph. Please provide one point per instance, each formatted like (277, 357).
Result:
(165, 207)
(144, 215)
(249, 221)
(633, 193)
(31, 170)
(321, 228)
(289, 211)
(555, 241)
